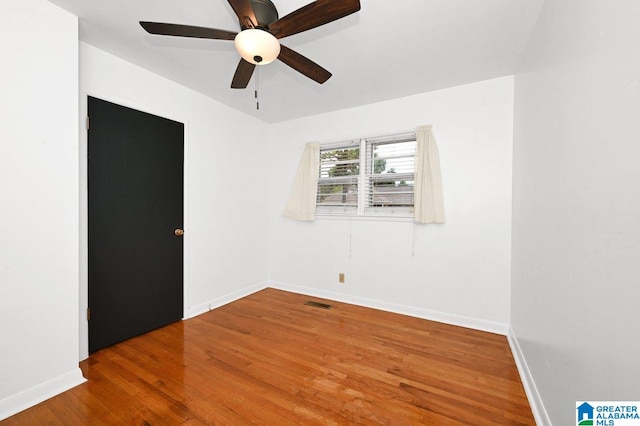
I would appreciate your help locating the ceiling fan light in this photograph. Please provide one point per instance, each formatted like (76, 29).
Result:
(257, 46)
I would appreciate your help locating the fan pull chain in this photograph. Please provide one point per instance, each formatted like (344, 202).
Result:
(257, 84)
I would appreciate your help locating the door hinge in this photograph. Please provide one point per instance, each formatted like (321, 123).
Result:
(87, 123)
(88, 314)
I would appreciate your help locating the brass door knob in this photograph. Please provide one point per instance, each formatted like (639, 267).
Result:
(179, 232)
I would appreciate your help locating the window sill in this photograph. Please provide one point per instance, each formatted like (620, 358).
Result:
(406, 219)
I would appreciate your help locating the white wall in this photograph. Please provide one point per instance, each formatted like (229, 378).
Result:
(39, 203)
(576, 227)
(461, 270)
(226, 194)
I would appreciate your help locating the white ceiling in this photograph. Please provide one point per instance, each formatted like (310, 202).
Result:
(389, 49)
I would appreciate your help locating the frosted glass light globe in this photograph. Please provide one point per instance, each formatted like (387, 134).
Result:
(257, 46)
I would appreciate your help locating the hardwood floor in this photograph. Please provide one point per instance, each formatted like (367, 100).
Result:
(270, 359)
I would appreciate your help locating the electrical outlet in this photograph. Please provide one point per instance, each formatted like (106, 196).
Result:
(341, 277)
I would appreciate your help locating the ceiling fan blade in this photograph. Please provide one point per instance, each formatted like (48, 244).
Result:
(303, 65)
(243, 75)
(187, 31)
(243, 9)
(313, 15)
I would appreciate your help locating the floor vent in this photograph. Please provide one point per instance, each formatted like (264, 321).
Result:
(318, 305)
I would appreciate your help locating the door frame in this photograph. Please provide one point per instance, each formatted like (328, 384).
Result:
(83, 302)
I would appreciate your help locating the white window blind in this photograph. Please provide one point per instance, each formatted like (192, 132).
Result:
(389, 176)
(339, 179)
(367, 177)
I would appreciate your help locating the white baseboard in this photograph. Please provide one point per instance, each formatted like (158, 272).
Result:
(413, 311)
(35, 395)
(535, 400)
(201, 308)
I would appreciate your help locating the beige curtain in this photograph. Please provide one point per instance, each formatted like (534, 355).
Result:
(428, 203)
(302, 200)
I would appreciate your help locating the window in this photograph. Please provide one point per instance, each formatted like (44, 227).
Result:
(368, 177)
(339, 180)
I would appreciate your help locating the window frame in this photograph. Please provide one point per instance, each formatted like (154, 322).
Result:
(341, 211)
(365, 176)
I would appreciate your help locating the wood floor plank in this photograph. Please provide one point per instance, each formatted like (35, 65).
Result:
(270, 359)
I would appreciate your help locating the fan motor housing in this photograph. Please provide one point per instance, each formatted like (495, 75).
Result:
(265, 11)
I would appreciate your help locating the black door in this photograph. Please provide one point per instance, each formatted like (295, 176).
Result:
(135, 200)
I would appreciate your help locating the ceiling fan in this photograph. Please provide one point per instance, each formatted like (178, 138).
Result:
(260, 28)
